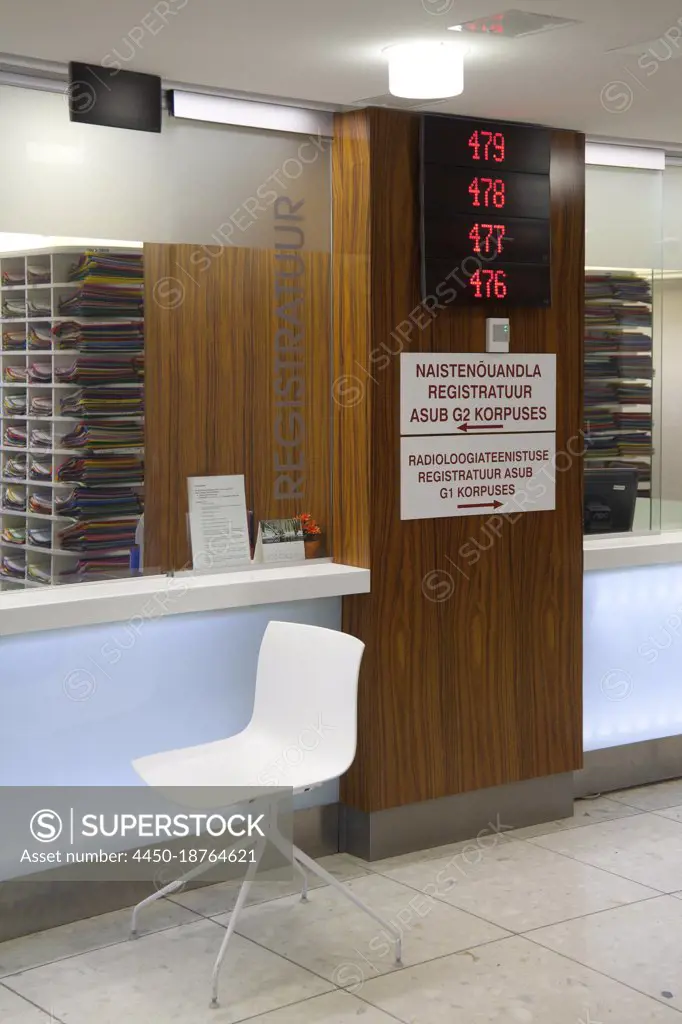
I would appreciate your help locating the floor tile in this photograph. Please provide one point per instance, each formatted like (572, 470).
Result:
(334, 938)
(214, 900)
(511, 982)
(335, 1008)
(638, 945)
(165, 978)
(81, 936)
(518, 886)
(15, 1010)
(585, 812)
(651, 798)
(675, 813)
(646, 848)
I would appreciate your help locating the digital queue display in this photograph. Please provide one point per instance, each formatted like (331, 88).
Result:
(485, 212)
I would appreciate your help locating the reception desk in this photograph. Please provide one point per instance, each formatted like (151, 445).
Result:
(96, 675)
(632, 683)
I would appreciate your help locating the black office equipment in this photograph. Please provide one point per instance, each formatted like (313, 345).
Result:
(609, 500)
(113, 98)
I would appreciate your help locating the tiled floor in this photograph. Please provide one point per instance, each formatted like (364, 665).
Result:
(572, 922)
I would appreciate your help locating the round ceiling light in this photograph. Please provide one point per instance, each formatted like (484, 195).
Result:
(426, 71)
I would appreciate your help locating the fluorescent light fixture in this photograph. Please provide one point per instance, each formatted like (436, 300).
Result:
(426, 71)
(275, 117)
(608, 155)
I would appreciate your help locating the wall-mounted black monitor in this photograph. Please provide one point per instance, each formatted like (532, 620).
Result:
(114, 99)
(485, 212)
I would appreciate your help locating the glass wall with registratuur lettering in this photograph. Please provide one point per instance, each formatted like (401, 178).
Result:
(166, 315)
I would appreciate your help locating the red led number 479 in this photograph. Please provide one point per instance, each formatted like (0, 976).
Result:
(489, 284)
(487, 146)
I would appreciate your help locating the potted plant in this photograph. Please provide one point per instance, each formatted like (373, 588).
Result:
(312, 535)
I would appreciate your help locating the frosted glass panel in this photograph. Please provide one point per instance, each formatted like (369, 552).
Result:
(192, 183)
(623, 217)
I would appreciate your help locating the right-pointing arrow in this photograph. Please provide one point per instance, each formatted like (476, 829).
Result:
(486, 504)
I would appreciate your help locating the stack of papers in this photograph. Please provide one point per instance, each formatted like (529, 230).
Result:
(103, 469)
(99, 535)
(41, 438)
(15, 468)
(16, 374)
(100, 503)
(96, 337)
(14, 437)
(40, 537)
(103, 401)
(103, 369)
(12, 308)
(38, 307)
(13, 277)
(14, 535)
(15, 405)
(40, 502)
(100, 567)
(38, 574)
(14, 498)
(40, 470)
(38, 275)
(41, 405)
(39, 338)
(108, 266)
(14, 341)
(40, 373)
(101, 299)
(105, 435)
(13, 567)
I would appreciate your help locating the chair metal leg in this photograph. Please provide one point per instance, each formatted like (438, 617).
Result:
(303, 859)
(304, 876)
(238, 907)
(179, 883)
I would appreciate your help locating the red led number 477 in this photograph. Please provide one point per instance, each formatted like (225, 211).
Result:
(489, 284)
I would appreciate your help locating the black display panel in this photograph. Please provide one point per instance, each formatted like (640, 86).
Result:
(505, 239)
(114, 99)
(450, 190)
(477, 143)
(464, 283)
(485, 209)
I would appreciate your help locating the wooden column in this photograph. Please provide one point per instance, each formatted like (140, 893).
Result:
(472, 675)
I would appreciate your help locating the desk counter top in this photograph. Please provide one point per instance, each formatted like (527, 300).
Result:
(145, 598)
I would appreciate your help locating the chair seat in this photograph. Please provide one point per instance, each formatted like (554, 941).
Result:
(250, 760)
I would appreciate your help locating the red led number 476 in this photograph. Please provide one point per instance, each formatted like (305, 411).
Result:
(489, 284)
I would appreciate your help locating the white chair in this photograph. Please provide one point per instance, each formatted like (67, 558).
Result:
(306, 702)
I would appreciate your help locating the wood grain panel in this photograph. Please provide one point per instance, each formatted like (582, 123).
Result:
(473, 668)
(352, 349)
(211, 329)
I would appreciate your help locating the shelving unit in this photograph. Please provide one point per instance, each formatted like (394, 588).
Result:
(59, 390)
(619, 372)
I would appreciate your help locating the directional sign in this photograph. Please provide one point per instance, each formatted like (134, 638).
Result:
(464, 393)
(476, 475)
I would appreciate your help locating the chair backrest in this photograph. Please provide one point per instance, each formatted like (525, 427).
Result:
(306, 697)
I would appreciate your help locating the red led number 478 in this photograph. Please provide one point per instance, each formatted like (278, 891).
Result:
(489, 284)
